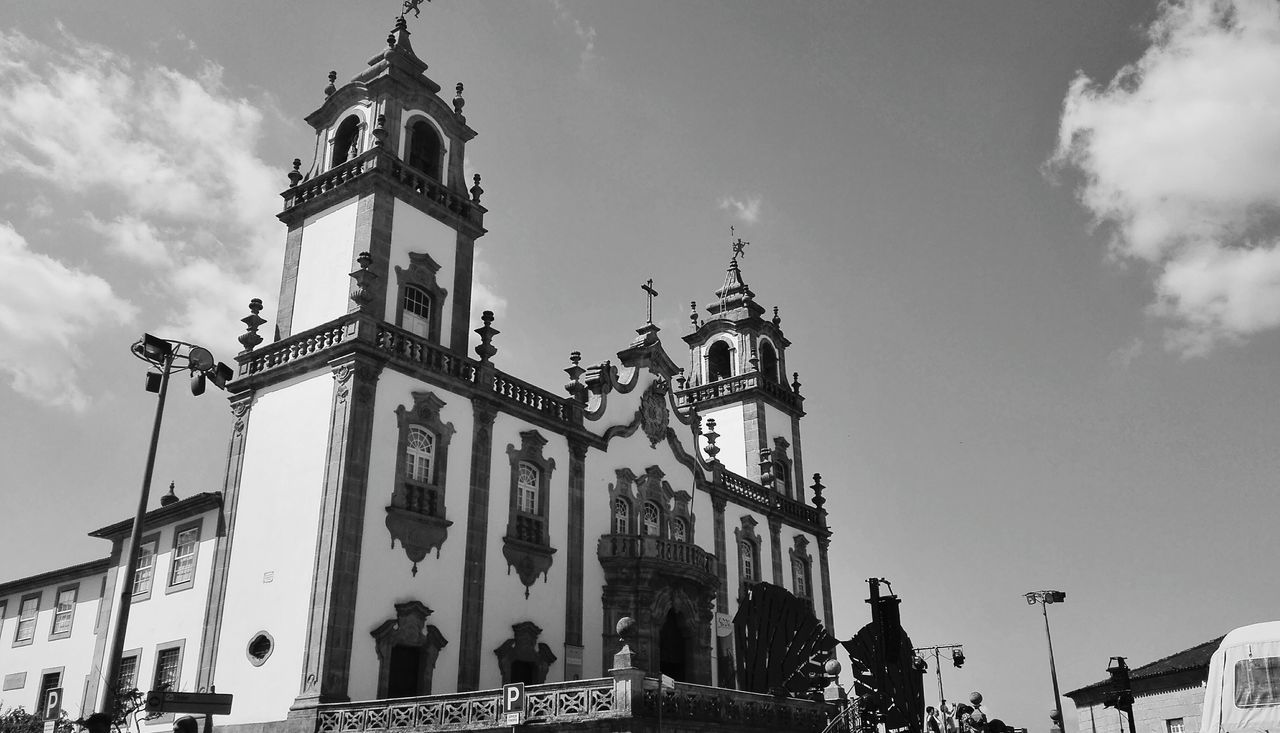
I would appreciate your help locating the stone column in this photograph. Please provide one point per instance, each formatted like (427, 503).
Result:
(475, 558)
(775, 550)
(331, 624)
(574, 557)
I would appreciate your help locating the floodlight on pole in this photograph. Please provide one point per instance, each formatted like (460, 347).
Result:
(1044, 598)
(165, 356)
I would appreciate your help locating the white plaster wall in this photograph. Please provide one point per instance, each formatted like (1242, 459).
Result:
(324, 267)
(730, 427)
(275, 532)
(733, 514)
(414, 231)
(74, 653)
(504, 596)
(385, 577)
(778, 425)
(168, 616)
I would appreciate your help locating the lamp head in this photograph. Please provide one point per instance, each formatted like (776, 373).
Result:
(1054, 596)
(199, 359)
(153, 349)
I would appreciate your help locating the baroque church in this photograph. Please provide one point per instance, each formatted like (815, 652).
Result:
(404, 526)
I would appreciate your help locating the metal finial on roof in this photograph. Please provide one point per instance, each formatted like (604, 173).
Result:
(412, 5)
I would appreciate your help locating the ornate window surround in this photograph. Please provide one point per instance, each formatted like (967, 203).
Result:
(746, 534)
(800, 558)
(523, 646)
(416, 516)
(408, 628)
(650, 488)
(783, 481)
(527, 543)
(421, 274)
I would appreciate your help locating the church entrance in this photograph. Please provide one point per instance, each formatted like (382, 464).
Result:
(404, 674)
(672, 647)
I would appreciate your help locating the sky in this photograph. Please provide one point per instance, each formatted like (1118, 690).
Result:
(1026, 253)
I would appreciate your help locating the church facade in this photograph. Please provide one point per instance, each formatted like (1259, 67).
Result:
(400, 519)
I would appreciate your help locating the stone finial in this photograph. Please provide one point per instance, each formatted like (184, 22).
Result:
(362, 292)
(680, 379)
(754, 361)
(250, 338)
(295, 175)
(169, 498)
(795, 382)
(574, 370)
(766, 467)
(380, 132)
(458, 101)
(711, 435)
(333, 78)
(486, 349)
(693, 314)
(776, 318)
(476, 191)
(818, 499)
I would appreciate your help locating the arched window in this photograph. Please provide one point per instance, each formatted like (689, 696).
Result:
(652, 520)
(344, 141)
(415, 317)
(769, 362)
(782, 478)
(527, 488)
(621, 516)
(747, 559)
(424, 148)
(679, 530)
(419, 454)
(719, 362)
(800, 577)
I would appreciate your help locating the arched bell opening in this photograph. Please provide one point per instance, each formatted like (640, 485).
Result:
(424, 148)
(769, 362)
(344, 141)
(719, 362)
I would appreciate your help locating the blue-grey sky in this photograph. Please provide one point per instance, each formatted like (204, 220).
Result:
(1025, 252)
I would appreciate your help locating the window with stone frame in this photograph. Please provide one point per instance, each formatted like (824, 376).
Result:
(749, 557)
(527, 542)
(522, 658)
(407, 648)
(530, 478)
(621, 516)
(144, 568)
(186, 545)
(168, 672)
(651, 520)
(417, 514)
(679, 529)
(780, 468)
(28, 613)
(64, 611)
(420, 298)
(801, 568)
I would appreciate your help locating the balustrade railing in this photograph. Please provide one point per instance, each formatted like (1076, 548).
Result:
(649, 546)
(433, 357)
(740, 383)
(563, 702)
(751, 710)
(753, 493)
(297, 346)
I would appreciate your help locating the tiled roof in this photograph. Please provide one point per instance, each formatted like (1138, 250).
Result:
(1193, 658)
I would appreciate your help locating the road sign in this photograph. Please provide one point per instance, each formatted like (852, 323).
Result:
(52, 706)
(513, 703)
(207, 703)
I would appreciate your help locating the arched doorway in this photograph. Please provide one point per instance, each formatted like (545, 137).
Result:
(673, 647)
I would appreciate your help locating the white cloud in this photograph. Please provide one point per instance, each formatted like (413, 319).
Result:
(1180, 158)
(158, 163)
(586, 34)
(46, 309)
(745, 209)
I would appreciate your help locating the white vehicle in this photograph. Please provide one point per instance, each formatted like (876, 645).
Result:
(1243, 690)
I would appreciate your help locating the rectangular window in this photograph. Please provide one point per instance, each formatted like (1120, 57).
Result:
(186, 541)
(168, 664)
(129, 670)
(1258, 682)
(27, 612)
(1173, 725)
(48, 681)
(64, 611)
(144, 569)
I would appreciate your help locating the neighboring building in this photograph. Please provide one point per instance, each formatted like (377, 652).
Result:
(403, 520)
(1168, 694)
(53, 625)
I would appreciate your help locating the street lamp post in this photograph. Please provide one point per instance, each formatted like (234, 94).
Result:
(166, 357)
(957, 658)
(1044, 598)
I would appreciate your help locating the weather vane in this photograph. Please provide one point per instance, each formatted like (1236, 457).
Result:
(412, 5)
(648, 289)
(739, 247)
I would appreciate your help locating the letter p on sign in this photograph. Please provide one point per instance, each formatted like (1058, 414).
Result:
(513, 701)
(53, 704)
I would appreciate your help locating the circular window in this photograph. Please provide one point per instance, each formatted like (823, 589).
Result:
(260, 647)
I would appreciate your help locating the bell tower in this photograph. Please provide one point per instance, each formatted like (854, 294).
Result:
(387, 179)
(738, 378)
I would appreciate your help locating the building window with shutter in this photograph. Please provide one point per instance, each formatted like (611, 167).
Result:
(186, 545)
(417, 516)
(168, 670)
(421, 298)
(64, 611)
(144, 568)
(28, 611)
